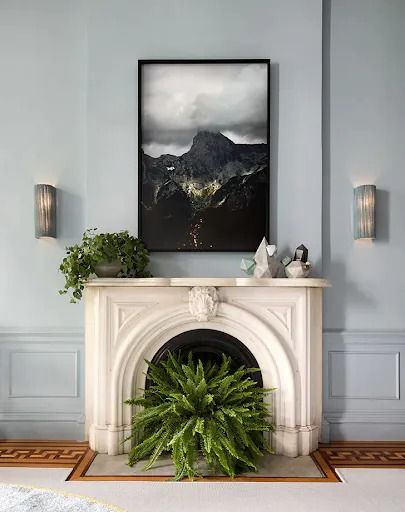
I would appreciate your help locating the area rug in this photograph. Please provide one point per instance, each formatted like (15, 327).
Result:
(18, 498)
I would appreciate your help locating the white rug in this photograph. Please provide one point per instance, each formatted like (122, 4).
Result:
(18, 498)
(364, 490)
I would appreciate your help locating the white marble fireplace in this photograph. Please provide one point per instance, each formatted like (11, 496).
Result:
(278, 320)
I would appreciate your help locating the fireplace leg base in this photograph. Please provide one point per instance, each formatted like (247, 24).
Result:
(109, 439)
(293, 442)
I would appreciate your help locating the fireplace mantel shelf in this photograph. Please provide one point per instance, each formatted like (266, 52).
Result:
(210, 281)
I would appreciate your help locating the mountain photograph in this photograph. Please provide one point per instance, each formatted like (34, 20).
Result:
(204, 156)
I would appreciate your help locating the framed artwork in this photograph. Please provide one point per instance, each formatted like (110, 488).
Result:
(204, 153)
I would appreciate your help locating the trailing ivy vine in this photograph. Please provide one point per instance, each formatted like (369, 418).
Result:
(81, 259)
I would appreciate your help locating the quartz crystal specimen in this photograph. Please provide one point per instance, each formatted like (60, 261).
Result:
(247, 265)
(266, 263)
(301, 254)
(286, 260)
(298, 269)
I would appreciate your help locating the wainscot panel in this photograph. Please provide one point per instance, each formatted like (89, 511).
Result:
(41, 384)
(363, 400)
(362, 387)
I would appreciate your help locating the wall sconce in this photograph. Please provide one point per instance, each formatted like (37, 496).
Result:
(364, 211)
(45, 211)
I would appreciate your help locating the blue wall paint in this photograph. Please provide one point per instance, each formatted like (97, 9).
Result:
(42, 140)
(80, 128)
(364, 126)
(290, 33)
(363, 142)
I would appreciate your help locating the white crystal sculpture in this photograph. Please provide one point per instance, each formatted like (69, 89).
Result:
(298, 269)
(271, 249)
(266, 263)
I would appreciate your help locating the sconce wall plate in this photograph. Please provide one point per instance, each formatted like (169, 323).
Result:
(45, 211)
(364, 212)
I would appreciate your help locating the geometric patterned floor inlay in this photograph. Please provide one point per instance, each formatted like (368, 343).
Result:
(62, 454)
(78, 456)
(364, 454)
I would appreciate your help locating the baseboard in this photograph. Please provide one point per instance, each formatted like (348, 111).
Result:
(371, 416)
(363, 426)
(42, 430)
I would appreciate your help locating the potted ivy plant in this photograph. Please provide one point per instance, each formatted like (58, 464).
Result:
(104, 254)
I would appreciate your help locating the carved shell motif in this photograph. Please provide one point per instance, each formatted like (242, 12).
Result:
(203, 302)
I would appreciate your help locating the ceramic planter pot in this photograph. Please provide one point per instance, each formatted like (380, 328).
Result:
(108, 268)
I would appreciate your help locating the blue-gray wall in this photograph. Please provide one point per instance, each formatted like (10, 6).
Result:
(42, 139)
(364, 142)
(290, 33)
(69, 117)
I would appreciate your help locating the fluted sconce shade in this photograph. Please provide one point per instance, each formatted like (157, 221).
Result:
(45, 211)
(364, 211)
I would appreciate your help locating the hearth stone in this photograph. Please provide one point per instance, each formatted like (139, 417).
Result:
(279, 321)
(272, 466)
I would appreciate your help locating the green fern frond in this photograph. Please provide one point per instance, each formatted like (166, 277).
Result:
(192, 409)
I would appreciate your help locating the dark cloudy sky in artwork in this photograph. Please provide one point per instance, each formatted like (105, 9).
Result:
(178, 100)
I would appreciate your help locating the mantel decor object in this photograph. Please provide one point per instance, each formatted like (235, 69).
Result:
(266, 263)
(104, 254)
(247, 265)
(300, 266)
(298, 269)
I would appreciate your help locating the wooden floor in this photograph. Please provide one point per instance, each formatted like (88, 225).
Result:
(78, 456)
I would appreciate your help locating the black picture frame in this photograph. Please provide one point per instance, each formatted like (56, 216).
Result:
(266, 211)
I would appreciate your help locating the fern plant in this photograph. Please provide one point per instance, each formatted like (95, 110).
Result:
(193, 409)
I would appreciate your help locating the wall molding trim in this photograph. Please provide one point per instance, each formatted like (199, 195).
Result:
(343, 418)
(37, 400)
(42, 335)
(356, 404)
(370, 416)
(43, 416)
(396, 337)
(395, 392)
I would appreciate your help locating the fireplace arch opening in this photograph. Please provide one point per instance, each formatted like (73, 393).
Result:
(210, 344)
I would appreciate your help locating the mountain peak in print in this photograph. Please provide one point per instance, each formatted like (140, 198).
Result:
(194, 201)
